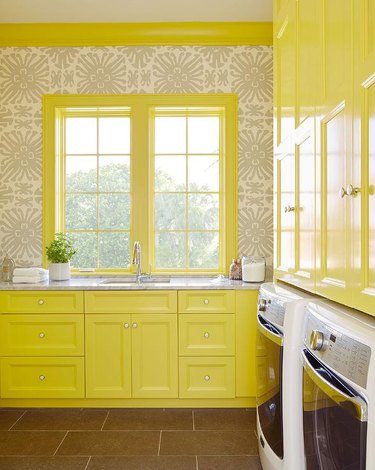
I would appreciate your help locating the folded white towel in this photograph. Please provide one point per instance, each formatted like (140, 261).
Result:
(32, 272)
(29, 279)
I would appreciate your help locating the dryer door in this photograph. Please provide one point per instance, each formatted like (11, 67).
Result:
(334, 420)
(268, 361)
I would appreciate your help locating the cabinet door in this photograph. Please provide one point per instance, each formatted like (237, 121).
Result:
(154, 356)
(363, 200)
(285, 216)
(108, 356)
(335, 144)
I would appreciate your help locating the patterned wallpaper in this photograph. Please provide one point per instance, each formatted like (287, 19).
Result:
(28, 73)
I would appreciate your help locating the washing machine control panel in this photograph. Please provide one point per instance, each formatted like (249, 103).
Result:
(272, 308)
(342, 353)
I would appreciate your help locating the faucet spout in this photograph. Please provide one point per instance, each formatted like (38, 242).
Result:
(137, 253)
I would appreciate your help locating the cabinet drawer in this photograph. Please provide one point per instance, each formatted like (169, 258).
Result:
(38, 377)
(41, 302)
(209, 377)
(41, 335)
(206, 335)
(218, 301)
(131, 302)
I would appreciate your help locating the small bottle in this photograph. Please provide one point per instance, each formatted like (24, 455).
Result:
(235, 270)
(7, 269)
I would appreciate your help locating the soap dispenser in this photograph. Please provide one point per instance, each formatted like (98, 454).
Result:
(7, 269)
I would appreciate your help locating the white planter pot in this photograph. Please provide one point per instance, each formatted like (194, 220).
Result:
(59, 271)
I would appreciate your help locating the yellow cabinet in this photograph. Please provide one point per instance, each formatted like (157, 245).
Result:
(206, 301)
(41, 302)
(160, 301)
(206, 335)
(141, 350)
(42, 377)
(209, 377)
(41, 335)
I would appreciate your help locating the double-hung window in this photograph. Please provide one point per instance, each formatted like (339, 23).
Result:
(160, 169)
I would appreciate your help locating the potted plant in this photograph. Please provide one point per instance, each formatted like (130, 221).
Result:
(59, 253)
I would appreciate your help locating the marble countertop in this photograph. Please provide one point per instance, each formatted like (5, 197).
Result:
(127, 283)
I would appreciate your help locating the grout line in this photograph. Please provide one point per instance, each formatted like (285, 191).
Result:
(196, 462)
(58, 447)
(192, 411)
(23, 414)
(159, 443)
(88, 463)
(105, 420)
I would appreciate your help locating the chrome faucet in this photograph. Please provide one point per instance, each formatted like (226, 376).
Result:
(137, 259)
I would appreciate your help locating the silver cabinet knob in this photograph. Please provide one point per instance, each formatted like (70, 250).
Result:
(206, 301)
(135, 325)
(343, 192)
(126, 325)
(207, 378)
(42, 335)
(352, 190)
(206, 334)
(40, 301)
(42, 377)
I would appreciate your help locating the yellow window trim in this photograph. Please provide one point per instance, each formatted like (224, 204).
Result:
(136, 34)
(142, 103)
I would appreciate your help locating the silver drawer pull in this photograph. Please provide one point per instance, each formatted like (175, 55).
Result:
(206, 334)
(126, 325)
(135, 325)
(40, 301)
(207, 378)
(42, 377)
(42, 335)
(206, 301)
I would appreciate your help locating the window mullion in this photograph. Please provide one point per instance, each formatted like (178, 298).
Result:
(140, 180)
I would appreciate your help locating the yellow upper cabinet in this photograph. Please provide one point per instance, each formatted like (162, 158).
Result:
(363, 203)
(324, 162)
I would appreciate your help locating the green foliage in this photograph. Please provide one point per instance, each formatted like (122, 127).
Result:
(60, 250)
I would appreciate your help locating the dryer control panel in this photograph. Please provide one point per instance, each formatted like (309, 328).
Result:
(339, 351)
(271, 308)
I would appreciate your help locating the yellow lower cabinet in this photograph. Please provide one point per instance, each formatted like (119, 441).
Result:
(154, 356)
(206, 335)
(108, 356)
(131, 356)
(207, 301)
(207, 377)
(41, 335)
(41, 302)
(42, 377)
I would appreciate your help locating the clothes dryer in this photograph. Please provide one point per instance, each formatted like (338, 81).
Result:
(339, 388)
(279, 376)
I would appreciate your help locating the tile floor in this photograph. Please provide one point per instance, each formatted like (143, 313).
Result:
(128, 439)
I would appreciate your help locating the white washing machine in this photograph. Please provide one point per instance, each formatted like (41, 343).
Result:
(279, 376)
(339, 388)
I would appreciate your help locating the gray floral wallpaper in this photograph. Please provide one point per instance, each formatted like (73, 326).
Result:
(28, 73)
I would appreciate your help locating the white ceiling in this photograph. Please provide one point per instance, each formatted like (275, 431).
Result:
(133, 11)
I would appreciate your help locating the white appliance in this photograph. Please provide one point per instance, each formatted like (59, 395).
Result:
(279, 376)
(339, 388)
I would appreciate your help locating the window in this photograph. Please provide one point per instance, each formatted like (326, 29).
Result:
(155, 168)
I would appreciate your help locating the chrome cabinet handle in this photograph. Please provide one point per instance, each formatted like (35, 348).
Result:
(206, 378)
(126, 325)
(135, 325)
(40, 301)
(42, 377)
(42, 335)
(343, 192)
(206, 301)
(352, 190)
(206, 334)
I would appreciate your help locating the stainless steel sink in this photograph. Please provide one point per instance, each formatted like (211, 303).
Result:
(125, 282)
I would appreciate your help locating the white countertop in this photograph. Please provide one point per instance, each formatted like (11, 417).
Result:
(104, 283)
